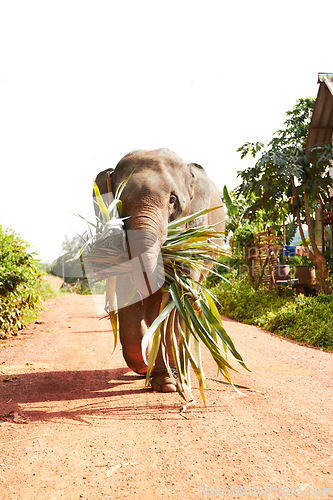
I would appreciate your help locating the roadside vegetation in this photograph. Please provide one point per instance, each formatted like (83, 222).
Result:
(288, 184)
(22, 288)
(281, 191)
(306, 320)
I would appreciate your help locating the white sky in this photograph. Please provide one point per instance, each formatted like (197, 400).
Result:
(82, 83)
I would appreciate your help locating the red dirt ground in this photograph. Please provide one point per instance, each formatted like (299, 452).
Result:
(76, 423)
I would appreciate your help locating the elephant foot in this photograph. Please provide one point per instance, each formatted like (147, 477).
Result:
(161, 381)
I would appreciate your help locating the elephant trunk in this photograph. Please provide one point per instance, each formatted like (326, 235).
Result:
(144, 247)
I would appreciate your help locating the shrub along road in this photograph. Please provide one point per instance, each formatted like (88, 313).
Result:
(75, 422)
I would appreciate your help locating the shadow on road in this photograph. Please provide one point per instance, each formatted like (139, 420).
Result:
(82, 395)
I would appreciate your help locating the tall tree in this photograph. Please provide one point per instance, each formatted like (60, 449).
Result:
(285, 182)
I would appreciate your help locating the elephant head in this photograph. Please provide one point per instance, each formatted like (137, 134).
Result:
(161, 187)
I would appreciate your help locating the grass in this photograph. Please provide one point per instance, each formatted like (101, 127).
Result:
(308, 320)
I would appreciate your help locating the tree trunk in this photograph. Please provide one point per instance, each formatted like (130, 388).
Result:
(315, 256)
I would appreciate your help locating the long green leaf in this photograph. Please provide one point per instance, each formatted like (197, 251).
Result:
(206, 338)
(101, 204)
(199, 371)
(195, 364)
(185, 220)
(175, 352)
(153, 352)
(151, 330)
(213, 320)
(232, 209)
(177, 301)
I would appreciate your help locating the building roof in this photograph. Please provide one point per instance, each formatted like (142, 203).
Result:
(321, 126)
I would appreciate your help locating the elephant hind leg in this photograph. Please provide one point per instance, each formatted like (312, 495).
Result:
(134, 360)
(131, 331)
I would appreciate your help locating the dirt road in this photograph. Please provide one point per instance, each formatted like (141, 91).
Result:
(76, 423)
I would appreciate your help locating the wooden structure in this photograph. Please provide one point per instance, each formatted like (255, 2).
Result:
(264, 258)
(321, 132)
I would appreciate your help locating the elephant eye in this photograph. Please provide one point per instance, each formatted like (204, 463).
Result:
(173, 199)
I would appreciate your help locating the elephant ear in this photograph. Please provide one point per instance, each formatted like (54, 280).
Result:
(105, 186)
(200, 190)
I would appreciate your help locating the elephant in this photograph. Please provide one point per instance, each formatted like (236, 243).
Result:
(161, 188)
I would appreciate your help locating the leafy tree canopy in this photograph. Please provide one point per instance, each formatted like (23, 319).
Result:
(285, 183)
(284, 158)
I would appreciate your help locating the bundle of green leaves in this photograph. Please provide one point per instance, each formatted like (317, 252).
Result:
(189, 309)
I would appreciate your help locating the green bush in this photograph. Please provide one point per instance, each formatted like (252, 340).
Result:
(20, 283)
(304, 319)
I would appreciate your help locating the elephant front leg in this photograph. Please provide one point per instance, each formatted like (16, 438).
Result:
(133, 323)
(160, 379)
